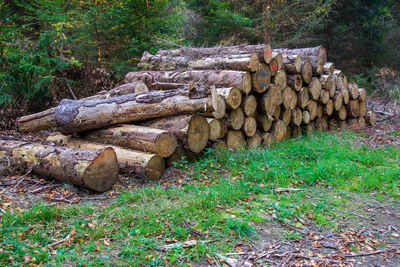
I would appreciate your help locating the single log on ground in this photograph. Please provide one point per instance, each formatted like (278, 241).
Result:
(321, 124)
(255, 141)
(292, 63)
(361, 122)
(264, 122)
(306, 71)
(342, 113)
(333, 124)
(250, 126)
(280, 79)
(268, 138)
(218, 128)
(362, 94)
(46, 120)
(306, 117)
(192, 131)
(135, 137)
(353, 90)
(329, 68)
(279, 129)
(277, 112)
(286, 116)
(93, 169)
(77, 116)
(314, 88)
(297, 116)
(328, 108)
(180, 154)
(312, 107)
(147, 165)
(353, 109)
(289, 98)
(337, 100)
(235, 119)
(303, 98)
(232, 96)
(235, 139)
(249, 105)
(370, 118)
(320, 111)
(261, 79)
(218, 78)
(324, 97)
(270, 100)
(362, 108)
(295, 81)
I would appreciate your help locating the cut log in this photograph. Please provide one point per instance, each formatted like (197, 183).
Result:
(192, 131)
(362, 109)
(332, 91)
(295, 81)
(303, 98)
(370, 118)
(218, 78)
(292, 63)
(310, 128)
(362, 94)
(353, 109)
(337, 100)
(232, 97)
(77, 116)
(273, 66)
(135, 137)
(218, 128)
(180, 154)
(280, 80)
(361, 122)
(346, 96)
(249, 126)
(235, 139)
(342, 113)
(312, 107)
(342, 124)
(328, 108)
(145, 165)
(277, 112)
(306, 71)
(279, 130)
(255, 141)
(314, 88)
(321, 124)
(324, 97)
(270, 100)
(286, 116)
(306, 117)
(278, 57)
(249, 105)
(352, 122)
(326, 81)
(329, 68)
(296, 131)
(289, 98)
(353, 91)
(264, 122)
(320, 111)
(333, 124)
(94, 169)
(268, 139)
(46, 120)
(261, 79)
(297, 116)
(235, 119)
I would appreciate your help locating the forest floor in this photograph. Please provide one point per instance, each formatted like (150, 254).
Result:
(330, 199)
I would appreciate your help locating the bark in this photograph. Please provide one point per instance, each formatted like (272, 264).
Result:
(135, 137)
(270, 100)
(289, 98)
(46, 120)
(235, 119)
(303, 98)
(249, 105)
(145, 165)
(295, 81)
(218, 128)
(279, 130)
(249, 126)
(77, 116)
(292, 63)
(297, 116)
(280, 80)
(255, 141)
(261, 79)
(268, 139)
(192, 131)
(93, 169)
(264, 122)
(314, 88)
(235, 139)
(329, 68)
(218, 78)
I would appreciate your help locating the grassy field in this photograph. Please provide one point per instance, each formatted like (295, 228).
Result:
(224, 198)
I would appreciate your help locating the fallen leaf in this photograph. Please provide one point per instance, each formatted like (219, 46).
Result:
(395, 235)
(97, 248)
(106, 243)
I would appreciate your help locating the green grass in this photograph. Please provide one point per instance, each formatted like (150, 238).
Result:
(225, 194)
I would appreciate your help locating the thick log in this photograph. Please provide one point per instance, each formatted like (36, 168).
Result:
(306, 117)
(337, 100)
(232, 97)
(342, 113)
(329, 68)
(362, 94)
(135, 137)
(218, 78)
(268, 139)
(277, 112)
(289, 98)
(249, 105)
(264, 122)
(312, 107)
(286, 116)
(235, 139)
(279, 130)
(362, 108)
(324, 97)
(320, 111)
(353, 109)
(218, 128)
(46, 120)
(270, 100)
(192, 131)
(250, 126)
(292, 63)
(93, 169)
(261, 79)
(235, 119)
(146, 165)
(297, 116)
(306, 71)
(77, 116)
(321, 124)
(353, 90)
(370, 118)
(280, 79)
(303, 98)
(255, 141)
(294, 81)
(328, 108)
(314, 88)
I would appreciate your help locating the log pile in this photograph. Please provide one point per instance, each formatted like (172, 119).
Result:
(185, 99)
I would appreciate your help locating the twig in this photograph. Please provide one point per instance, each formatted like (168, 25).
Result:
(286, 260)
(59, 199)
(22, 178)
(70, 90)
(59, 242)
(367, 253)
(193, 231)
(43, 188)
(282, 190)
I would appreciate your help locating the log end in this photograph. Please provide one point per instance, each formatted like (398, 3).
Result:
(254, 62)
(166, 144)
(235, 139)
(306, 71)
(219, 106)
(246, 83)
(267, 53)
(198, 133)
(250, 126)
(155, 168)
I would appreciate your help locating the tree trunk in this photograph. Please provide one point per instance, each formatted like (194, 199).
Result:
(289, 98)
(249, 105)
(93, 169)
(314, 88)
(192, 131)
(261, 79)
(235, 139)
(295, 81)
(76, 116)
(218, 78)
(146, 165)
(249, 126)
(218, 128)
(270, 100)
(280, 80)
(135, 137)
(235, 119)
(303, 98)
(45, 120)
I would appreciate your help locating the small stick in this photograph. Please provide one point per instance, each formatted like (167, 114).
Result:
(58, 242)
(43, 188)
(367, 253)
(22, 178)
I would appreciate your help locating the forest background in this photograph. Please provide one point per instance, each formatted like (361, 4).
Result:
(52, 49)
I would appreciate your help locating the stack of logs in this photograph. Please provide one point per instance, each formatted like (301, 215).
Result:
(181, 101)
